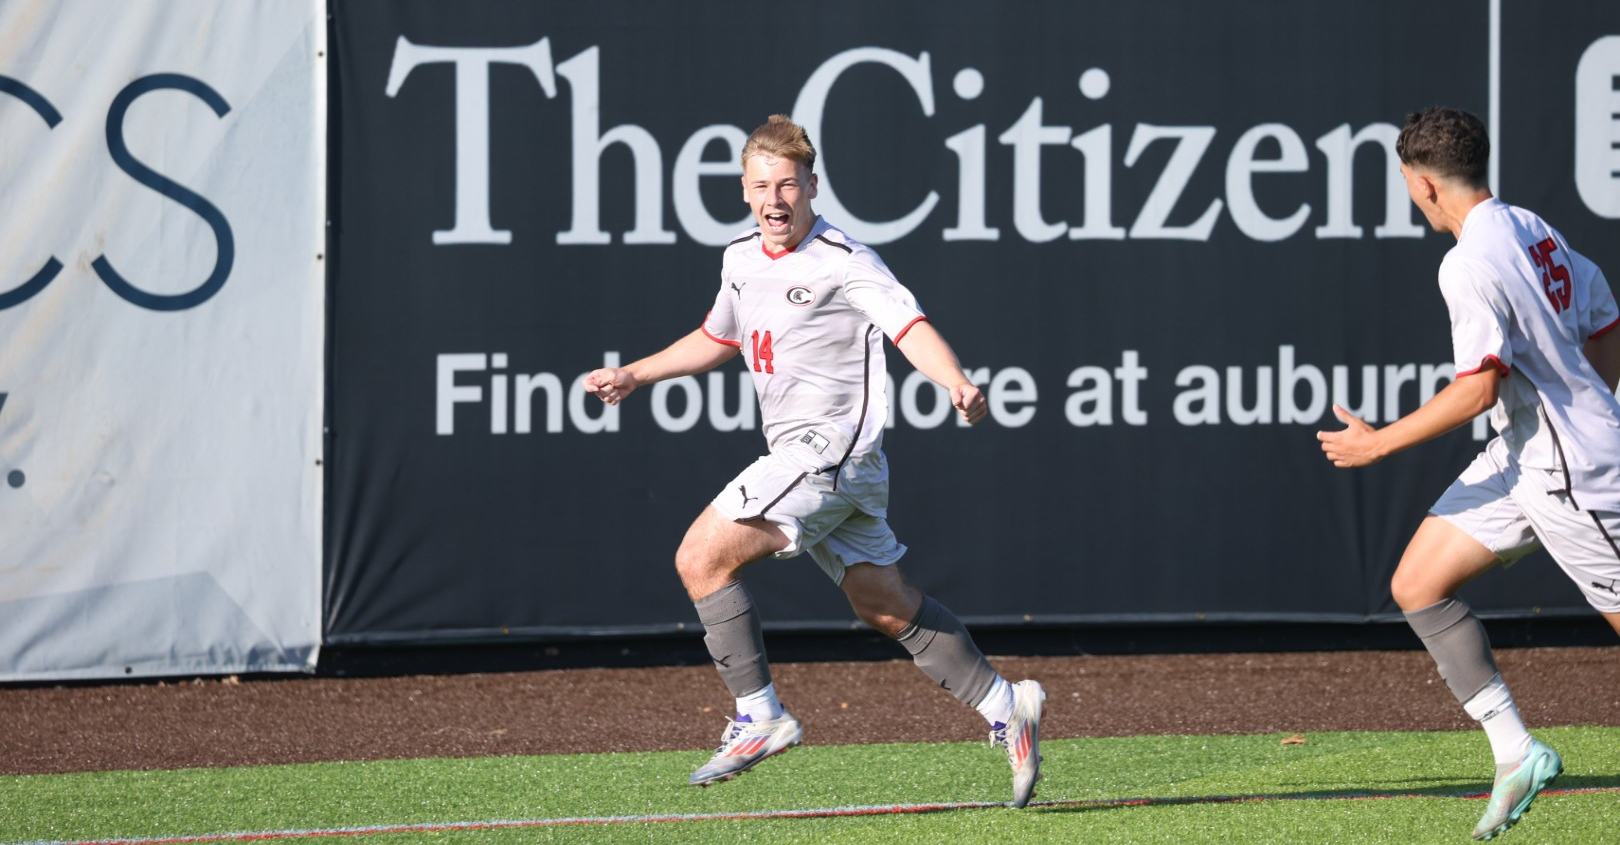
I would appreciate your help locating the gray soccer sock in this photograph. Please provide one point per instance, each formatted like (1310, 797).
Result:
(941, 647)
(1457, 642)
(734, 639)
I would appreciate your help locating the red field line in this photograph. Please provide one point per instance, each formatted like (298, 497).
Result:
(829, 812)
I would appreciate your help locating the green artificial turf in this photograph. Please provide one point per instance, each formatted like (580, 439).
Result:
(1350, 777)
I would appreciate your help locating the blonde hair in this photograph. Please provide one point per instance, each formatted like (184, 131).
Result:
(780, 137)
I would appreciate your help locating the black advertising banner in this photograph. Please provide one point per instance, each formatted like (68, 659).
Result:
(1164, 237)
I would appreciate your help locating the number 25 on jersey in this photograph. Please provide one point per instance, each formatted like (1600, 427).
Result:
(1551, 271)
(763, 354)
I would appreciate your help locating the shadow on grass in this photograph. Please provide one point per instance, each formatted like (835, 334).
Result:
(1569, 784)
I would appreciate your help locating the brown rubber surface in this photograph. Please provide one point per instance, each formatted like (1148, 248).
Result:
(217, 722)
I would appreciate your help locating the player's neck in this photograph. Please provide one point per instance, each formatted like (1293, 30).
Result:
(1456, 208)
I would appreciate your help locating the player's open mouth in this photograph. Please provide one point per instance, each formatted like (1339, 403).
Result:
(776, 221)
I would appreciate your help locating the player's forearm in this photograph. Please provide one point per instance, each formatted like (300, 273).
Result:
(927, 350)
(1461, 401)
(692, 354)
(1604, 353)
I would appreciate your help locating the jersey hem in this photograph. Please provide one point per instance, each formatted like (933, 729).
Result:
(902, 332)
(1488, 361)
(1603, 330)
(705, 329)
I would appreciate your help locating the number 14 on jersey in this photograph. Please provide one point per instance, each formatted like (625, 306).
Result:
(762, 352)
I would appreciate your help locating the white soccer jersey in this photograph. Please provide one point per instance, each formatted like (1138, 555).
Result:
(1522, 301)
(810, 324)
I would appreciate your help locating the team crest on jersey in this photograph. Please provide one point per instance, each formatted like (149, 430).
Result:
(800, 295)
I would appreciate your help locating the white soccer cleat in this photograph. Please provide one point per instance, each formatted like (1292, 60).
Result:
(744, 744)
(1021, 737)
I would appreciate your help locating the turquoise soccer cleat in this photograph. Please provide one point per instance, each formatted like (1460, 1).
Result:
(1516, 788)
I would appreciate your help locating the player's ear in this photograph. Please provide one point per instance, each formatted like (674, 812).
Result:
(812, 186)
(743, 180)
(1424, 185)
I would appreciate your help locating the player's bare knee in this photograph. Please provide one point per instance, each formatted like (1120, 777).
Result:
(1400, 589)
(885, 611)
(1412, 591)
(1406, 582)
(886, 624)
(694, 562)
(881, 619)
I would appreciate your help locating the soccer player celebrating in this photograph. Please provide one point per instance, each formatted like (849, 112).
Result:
(1531, 329)
(809, 307)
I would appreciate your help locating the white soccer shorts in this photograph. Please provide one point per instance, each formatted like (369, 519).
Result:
(793, 489)
(1515, 510)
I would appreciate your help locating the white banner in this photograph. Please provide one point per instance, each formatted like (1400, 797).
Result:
(162, 208)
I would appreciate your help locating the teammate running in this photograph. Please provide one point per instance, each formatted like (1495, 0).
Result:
(1531, 323)
(809, 307)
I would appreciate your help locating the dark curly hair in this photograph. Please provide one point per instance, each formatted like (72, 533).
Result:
(1450, 143)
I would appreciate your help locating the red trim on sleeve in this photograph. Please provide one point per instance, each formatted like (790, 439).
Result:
(1604, 329)
(704, 327)
(1489, 361)
(920, 318)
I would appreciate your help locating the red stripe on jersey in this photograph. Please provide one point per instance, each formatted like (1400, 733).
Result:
(772, 255)
(1604, 329)
(1489, 361)
(705, 329)
(908, 328)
